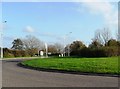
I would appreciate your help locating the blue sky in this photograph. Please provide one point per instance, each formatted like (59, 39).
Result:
(51, 21)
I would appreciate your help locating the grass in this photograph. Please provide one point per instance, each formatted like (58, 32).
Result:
(91, 65)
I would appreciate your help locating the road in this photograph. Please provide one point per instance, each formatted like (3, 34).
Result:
(15, 76)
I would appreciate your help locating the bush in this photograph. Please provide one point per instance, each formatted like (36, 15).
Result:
(98, 52)
(87, 52)
(111, 51)
(8, 55)
(24, 53)
(16, 53)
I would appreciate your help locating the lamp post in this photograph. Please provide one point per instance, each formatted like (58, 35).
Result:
(69, 45)
(1, 51)
(64, 46)
(68, 51)
(46, 49)
(1, 56)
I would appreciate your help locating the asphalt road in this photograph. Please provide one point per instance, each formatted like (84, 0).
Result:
(15, 76)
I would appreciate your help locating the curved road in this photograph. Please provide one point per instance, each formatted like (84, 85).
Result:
(15, 76)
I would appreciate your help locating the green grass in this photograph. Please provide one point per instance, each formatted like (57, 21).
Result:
(92, 65)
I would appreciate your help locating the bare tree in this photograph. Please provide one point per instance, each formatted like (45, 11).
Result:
(59, 47)
(106, 35)
(32, 44)
(97, 36)
(102, 36)
(52, 49)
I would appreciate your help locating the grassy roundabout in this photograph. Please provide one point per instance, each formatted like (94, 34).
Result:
(90, 65)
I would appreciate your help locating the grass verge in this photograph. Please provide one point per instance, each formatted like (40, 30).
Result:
(85, 65)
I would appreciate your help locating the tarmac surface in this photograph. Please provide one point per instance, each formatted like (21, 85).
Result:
(15, 76)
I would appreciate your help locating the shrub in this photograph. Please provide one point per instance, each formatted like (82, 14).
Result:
(111, 51)
(8, 55)
(97, 52)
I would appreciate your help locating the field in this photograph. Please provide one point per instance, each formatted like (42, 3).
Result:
(90, 65)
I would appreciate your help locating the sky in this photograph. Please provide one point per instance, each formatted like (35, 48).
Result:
(53, 21)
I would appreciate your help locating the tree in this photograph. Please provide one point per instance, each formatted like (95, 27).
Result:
(52, 49)
(17, 44)
(95, 44)
(106, 35)
(112, 42)
(32, 44)
(102, 36)
(7, 52)
(76, 46)
(97, 37)
(59, 47)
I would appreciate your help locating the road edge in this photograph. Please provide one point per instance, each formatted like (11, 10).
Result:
(66, 72)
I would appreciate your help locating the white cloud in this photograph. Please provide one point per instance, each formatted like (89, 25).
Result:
(29, 29)
(106, 9)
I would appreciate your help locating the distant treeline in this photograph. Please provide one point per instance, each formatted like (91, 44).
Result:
(77, 48)
(102, 45)
(95, 49)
